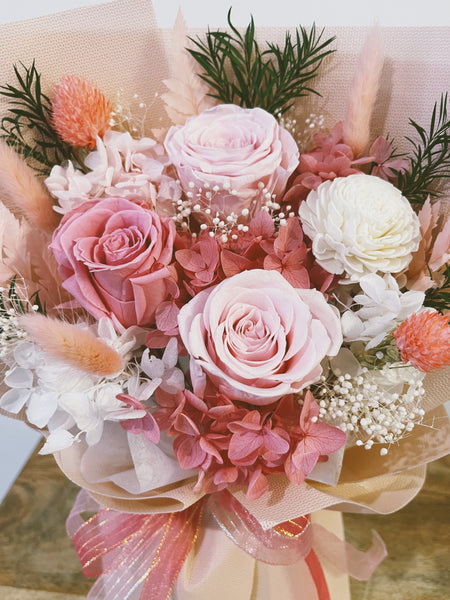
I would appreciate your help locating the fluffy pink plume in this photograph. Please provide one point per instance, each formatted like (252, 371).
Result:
(363, 94)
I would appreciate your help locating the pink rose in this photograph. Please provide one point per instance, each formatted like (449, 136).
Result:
(113, 256)
(257, 337)
(235, 149)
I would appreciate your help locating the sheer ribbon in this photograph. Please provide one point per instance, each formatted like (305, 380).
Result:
(139, 557)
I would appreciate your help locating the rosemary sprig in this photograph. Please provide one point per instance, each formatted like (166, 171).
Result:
(239, 72)
(430, 160)
(439, 297)
(27, 126)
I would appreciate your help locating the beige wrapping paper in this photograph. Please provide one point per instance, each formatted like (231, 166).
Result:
(117, 45)
(217, 568)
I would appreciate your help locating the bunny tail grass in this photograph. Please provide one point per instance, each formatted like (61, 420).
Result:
(363, 93)
(72, 344)
(22, 192)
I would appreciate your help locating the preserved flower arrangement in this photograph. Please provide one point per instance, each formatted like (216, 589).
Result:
(220, 320)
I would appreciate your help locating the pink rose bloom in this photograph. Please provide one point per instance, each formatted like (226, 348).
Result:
(113, 256)
(257, 337)
(234, 149)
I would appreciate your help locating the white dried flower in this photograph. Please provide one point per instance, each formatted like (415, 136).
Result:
(120, 167)
(360, 224)
(382, 305)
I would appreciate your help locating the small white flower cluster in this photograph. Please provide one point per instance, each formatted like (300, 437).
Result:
(130, 115)
(374, 407)
(221, 225)
(10, 330)
(313, 124)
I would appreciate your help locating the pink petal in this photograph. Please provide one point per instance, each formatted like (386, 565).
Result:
(257, 486)
(290, 236)
(225, 475)
(167, 316)
(189, 453)
(210, 449)
(274, 442)
(325, 438)
(305, 456)
(150, 429)
(262, 225)
(190, 260)
(232, 263)
(293, 474)
(184, 424)
(310, 409)
(244, 448)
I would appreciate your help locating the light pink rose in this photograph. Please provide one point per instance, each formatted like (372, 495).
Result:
(235, 149)
(113, 256)
(257, 337)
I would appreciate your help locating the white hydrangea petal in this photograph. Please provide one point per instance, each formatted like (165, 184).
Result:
(41, 407)
(174, 381)
(14, 400)
(105, 329)
(170, 356)
(352, 326)
(56, 441)
(151, 365)
(18, 377)
(27, 355)
(94, 435)
(148, 389)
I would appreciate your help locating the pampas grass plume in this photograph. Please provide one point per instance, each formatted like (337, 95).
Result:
(363, 93)
(72, 344)
(22, 192)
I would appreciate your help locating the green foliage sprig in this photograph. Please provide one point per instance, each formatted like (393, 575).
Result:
(27, 126)
(241, 73)
(430, 159)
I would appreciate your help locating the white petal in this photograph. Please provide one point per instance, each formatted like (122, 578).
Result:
(57, 440)
(352, 326)
(14, 400)
(41, 407)
(27, 355)
(170, 356)
(19, 377)
(152, 366)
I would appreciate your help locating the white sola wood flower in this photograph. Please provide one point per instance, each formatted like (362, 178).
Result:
(360, 224)
(381, 306)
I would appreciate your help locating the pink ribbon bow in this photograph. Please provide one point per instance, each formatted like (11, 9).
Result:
(139, 557)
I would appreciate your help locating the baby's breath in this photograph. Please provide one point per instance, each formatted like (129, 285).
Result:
(369, 409)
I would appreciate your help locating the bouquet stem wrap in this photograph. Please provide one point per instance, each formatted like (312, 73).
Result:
(139, 557)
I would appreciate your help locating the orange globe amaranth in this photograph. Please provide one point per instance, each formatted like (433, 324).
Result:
(424, 340)
(80, 112)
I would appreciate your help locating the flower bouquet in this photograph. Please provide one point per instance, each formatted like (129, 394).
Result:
(222, 325)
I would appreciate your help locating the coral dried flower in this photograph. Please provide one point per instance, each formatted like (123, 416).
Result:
(81, 112)
(424, 340)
